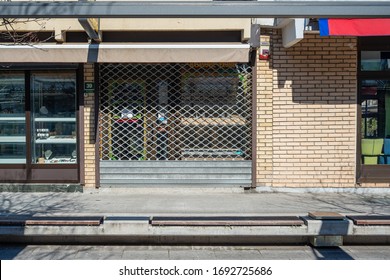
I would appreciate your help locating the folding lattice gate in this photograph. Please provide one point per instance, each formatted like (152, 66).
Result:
(175, 124)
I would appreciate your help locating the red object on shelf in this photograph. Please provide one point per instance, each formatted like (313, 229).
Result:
(126, 120)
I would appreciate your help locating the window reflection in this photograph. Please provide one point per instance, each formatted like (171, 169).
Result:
(12, 118)
(53, 119)
(375, 126)
(375, 61)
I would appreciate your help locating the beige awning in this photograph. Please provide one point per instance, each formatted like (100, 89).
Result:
(125, 53)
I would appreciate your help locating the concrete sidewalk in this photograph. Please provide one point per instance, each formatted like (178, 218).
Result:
(127, 216)
(167, 201)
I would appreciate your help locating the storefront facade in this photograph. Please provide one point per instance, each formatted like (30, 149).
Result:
(310, 115)
(40, 124)
(176, 113)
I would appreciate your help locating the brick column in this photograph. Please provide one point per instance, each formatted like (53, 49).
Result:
(264, 120)
(89, 130)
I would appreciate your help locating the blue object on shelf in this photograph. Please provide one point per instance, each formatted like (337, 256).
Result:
(386, 151)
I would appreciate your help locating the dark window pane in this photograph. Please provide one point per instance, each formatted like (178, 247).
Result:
(12, 118)
(375, 60)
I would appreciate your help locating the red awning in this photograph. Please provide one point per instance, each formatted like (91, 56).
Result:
(355, 27)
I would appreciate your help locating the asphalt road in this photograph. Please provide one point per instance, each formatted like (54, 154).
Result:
(83, 252)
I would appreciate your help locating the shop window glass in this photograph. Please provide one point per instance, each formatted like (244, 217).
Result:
(375, 126)
(375, 61)
(53, 118)
(12, 118)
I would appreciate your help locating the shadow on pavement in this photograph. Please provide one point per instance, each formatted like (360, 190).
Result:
(37, 203)
(10, 252)
(331, 253)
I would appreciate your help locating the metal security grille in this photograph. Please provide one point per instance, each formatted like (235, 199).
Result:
(175, 112)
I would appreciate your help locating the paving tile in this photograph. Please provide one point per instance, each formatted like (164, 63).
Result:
(237, 254)
(99, 253)
(43, 255)
(281, 254)
(372, 256)
(28, 252)
(191, 255)
(369, 252)
(145, 255)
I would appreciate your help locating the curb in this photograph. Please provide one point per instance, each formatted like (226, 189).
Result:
(139, 230)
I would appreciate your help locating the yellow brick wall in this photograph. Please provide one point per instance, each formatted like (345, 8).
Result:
(264, 120)
(89, 131)
(306, 113)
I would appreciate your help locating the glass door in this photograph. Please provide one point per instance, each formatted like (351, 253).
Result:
(53, 118)
(375, 126)
(39, 126)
